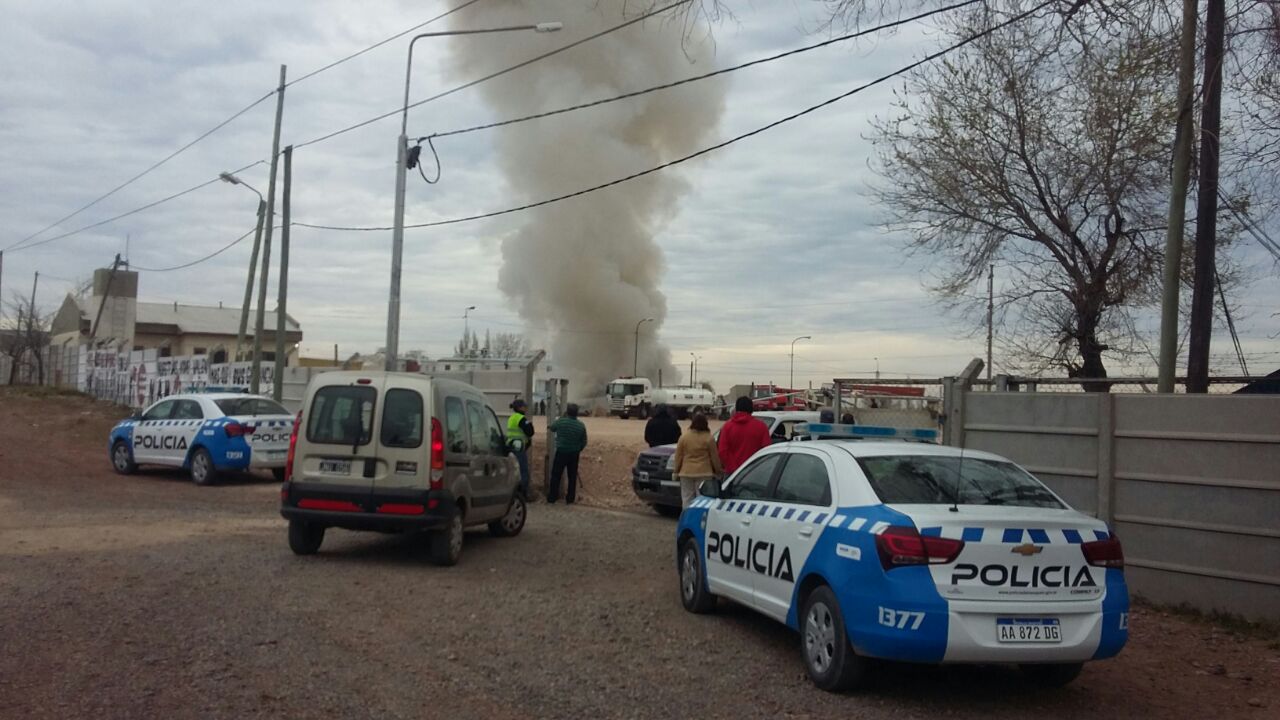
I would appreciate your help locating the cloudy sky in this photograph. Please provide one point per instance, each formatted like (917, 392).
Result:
(769, 239)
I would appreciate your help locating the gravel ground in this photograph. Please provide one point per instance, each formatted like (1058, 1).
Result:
(146, 596)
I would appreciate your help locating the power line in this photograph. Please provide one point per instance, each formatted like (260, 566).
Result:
(704, 76)
(486, 78)
(134, 211)
(210, 256)
(379, 44)
(707, 150)
(20, 245)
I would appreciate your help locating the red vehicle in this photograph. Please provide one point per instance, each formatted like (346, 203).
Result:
(772, 397)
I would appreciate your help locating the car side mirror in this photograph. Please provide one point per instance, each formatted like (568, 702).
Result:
(709, 488)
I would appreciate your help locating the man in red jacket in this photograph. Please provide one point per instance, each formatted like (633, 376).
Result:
(741, 436)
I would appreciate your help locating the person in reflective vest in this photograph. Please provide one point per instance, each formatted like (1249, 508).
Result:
(520, 436)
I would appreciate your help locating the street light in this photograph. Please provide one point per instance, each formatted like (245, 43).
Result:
(253, 260)
(402, 154)
(693, 369)
(465, 327)
(635, 367)
(792, 383)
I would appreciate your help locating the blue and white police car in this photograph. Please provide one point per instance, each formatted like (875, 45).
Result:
(906, 551)
(205, 434)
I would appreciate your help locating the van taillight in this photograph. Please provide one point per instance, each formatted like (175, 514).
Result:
(1104, 553)
(899, 545)
(293, 446)
(437, 454)
(235, 429)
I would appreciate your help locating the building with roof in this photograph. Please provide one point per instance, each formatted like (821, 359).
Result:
(113, 316)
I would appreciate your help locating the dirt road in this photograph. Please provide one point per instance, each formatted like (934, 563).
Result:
(147, 596)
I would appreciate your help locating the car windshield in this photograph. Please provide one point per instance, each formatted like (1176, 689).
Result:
(934, 479)
(621, 389)
(250, 406)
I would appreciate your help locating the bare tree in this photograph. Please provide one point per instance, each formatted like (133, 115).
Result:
(25, 340)
(510, 345)
(1048, 160)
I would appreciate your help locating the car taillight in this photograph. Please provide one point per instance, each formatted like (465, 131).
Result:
(235, 429)
(293, 446)
(437, 455)
(900, 545)
(1104, 553)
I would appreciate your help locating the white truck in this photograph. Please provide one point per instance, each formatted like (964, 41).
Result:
(637, 396)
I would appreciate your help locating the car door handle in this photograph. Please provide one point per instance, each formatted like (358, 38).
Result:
(806, 531)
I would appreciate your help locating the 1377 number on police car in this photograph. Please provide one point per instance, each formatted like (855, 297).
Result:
(1028, 630)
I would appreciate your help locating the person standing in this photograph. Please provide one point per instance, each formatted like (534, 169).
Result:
(571, 439)
(662, 429)
(520, 437)
(741, 436)
(697, 459)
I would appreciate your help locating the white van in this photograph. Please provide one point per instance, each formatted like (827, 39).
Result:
(398, 452)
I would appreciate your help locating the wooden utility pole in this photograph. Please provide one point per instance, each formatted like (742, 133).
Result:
(282, 289)
(1207, 200)
(255, 383)
(1177, 201)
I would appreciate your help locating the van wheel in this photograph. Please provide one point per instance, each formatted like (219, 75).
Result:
(202, 470)
(693, 586)
(1053, 675)
(824, 644)
(446, 543)
(512, 523)
(122, 459)
(304, 537)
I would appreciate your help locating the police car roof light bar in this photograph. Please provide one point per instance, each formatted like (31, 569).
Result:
(838, 431)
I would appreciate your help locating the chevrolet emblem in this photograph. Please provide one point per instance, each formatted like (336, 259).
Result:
(1027, 550)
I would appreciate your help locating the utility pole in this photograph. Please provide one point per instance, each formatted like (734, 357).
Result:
(1, 287)
(690, 369)
(1207, 200)
(106, 293)
(248, 285)
(282, 290)
(31, 316)
(256, 381)
(991, 313)
(1177, 201)
(635, 365)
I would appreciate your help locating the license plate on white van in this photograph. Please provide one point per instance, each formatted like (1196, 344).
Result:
(1028, 630)
(335, 467)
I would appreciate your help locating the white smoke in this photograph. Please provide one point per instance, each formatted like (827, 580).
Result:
(588, 269)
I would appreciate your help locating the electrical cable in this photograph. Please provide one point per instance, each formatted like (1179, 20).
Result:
(490, 76)
(435, 155)
(214, 129)
(210, 256)
(1258, 233)
(379, 44)
(704, 76)
(712, 148)
(134, 211)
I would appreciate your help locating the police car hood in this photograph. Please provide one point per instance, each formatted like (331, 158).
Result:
(1013, 553)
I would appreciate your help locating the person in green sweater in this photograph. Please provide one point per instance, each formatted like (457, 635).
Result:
(571, 438)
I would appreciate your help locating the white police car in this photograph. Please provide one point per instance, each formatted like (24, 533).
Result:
(906, 551)
(205, 434)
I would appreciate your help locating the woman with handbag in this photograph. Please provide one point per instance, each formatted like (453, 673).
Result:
(697, 458)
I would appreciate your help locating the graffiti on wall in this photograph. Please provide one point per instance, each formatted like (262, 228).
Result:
(140, 377)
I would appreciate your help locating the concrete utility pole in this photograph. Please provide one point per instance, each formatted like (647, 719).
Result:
(466, 327)
(255, 382)
(991, 313)
(106, 293)
(31, 316)
(402, 167)
(1207, 200)
(253, 262)
(792, 382)
(1, 287)
(282, 291)
(1180, 179)
(635, 365)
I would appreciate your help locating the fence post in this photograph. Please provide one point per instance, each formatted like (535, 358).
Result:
(1106, 457)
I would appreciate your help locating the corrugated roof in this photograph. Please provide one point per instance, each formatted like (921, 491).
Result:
(204, 319)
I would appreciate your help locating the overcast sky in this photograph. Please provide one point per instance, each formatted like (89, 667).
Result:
(775, 238)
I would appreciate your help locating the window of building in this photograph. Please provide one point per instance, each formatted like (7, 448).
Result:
(200, 351)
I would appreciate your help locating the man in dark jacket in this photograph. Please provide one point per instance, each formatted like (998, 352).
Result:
(662, 429)
(741, 436)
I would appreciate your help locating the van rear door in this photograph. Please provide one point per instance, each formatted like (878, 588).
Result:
(404, 440)
(340, 455)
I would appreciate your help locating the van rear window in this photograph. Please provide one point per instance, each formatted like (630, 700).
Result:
(402, 419)
(342, 415)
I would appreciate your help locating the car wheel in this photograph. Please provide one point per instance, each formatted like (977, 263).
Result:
(667, 510)
(824, 644)
(122, 459)
(304, 537)
(446, 543)
(202, 470)
(512, 523)
(693, 586)
(279, 474)
(1054, 675)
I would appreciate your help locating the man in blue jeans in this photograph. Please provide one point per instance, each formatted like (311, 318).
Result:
(571, 440)
(519, 428)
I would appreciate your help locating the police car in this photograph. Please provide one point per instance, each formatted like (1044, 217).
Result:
(906, 551)
(205, 435)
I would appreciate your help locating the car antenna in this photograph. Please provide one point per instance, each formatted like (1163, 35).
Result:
(955, 496)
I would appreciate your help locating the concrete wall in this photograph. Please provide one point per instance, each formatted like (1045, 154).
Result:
(1191, 483)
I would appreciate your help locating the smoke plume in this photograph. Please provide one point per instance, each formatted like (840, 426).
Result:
(586, 270)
